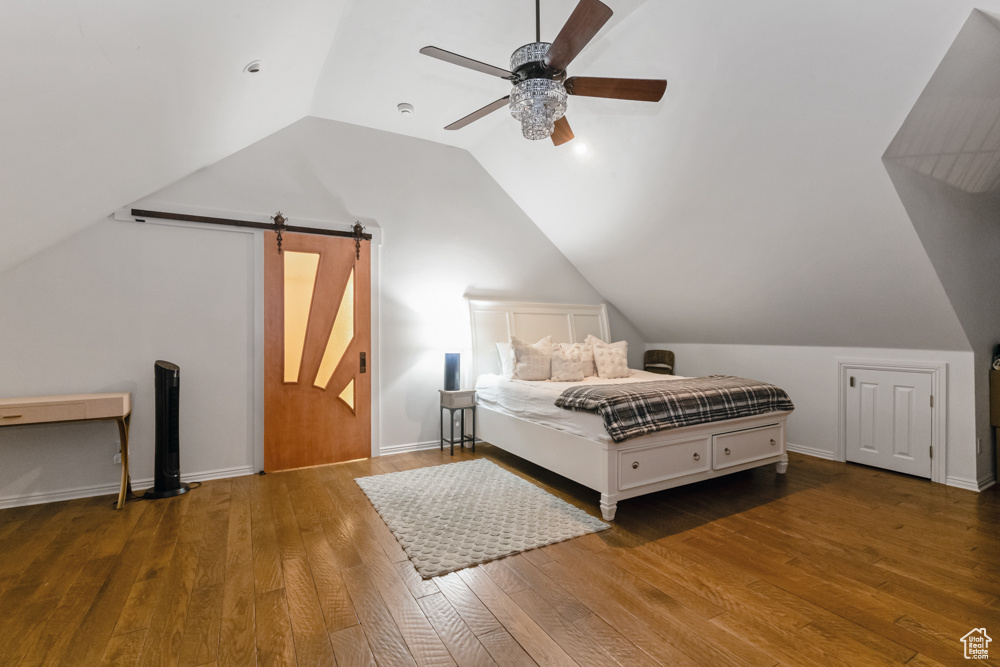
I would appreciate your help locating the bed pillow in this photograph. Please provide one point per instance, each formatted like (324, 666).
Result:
(505, 356)
(616, 365)
(586, 356)
(532, 361)
(567, 362)
(597, 342)
(612, 361)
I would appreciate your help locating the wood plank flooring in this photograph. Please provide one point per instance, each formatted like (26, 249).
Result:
(831, 564)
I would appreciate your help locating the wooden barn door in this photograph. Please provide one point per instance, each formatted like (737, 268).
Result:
(317, 331)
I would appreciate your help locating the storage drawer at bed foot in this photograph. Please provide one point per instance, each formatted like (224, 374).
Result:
(731, 449)
(657, 463)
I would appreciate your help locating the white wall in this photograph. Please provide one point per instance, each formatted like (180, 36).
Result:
(809, 375)
(92, 314)
(95, 311)
(945, 165)
(962, 238)
(448, 230)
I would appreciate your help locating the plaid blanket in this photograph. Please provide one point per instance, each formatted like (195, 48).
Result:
(631, 410)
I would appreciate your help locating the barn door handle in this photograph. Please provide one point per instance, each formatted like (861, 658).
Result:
(364, 367)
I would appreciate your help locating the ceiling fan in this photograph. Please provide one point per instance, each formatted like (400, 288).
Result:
(538, 71)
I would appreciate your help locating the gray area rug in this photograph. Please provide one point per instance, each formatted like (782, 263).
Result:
(453, 516)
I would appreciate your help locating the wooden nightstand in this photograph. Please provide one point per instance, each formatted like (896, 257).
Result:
(463, 399)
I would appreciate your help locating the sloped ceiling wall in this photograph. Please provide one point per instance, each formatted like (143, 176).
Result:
(945, 165)
(104, 102)
(750, 206)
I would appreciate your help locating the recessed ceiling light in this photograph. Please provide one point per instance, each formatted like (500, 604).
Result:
(252, 68)
(580, 148)
(405, 108)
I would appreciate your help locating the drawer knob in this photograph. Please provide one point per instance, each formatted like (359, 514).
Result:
(635, 464)
(728, 452)
(12, 416)
(773, 443)
(697, 456)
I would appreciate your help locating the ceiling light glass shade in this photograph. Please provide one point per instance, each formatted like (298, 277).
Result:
(538, 104)
(529, 53)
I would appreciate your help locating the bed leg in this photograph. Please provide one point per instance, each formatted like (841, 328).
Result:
(608, 507)
(781, 467)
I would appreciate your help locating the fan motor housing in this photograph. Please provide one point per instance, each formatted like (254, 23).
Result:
(528, 62)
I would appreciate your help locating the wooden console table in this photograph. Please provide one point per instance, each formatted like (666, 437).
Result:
(75, 408)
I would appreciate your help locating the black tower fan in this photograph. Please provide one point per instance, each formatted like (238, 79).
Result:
(167, 473)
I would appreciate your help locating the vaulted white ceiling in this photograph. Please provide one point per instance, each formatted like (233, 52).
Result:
(749, 206)
(104, 102)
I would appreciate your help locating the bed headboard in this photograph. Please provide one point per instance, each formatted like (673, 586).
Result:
(497, 321)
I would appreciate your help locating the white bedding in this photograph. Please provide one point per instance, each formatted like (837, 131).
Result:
(536, 401)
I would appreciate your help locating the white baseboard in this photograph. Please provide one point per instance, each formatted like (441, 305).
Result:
(385, 450)
(957, 482)
(811, 451)
(37, 498)
(112, 489)
(221, 473)
(970, 485)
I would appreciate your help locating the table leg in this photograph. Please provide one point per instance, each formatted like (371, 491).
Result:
(462, 434)
(451, 423)
(473, 429)
(126, 485)
(441, 427)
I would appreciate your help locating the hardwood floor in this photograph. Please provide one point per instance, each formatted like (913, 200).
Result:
(832, 564)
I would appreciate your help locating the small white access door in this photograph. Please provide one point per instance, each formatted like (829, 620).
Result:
(889, 420)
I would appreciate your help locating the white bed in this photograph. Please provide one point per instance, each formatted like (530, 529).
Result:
(521, 417)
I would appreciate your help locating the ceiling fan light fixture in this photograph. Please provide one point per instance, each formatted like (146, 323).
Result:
(538, 74)
(538, 104)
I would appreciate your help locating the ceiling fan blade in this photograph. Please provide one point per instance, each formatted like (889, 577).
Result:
(462, 61)
(562, 133)
(643, 90)
(476, 115)
(581, 26)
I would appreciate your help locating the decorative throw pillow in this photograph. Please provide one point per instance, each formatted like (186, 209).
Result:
(586, 356)
(505, 355)
(532, 362)
(612, 361)
(589, 367)
(597, 342)
(567, 362)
